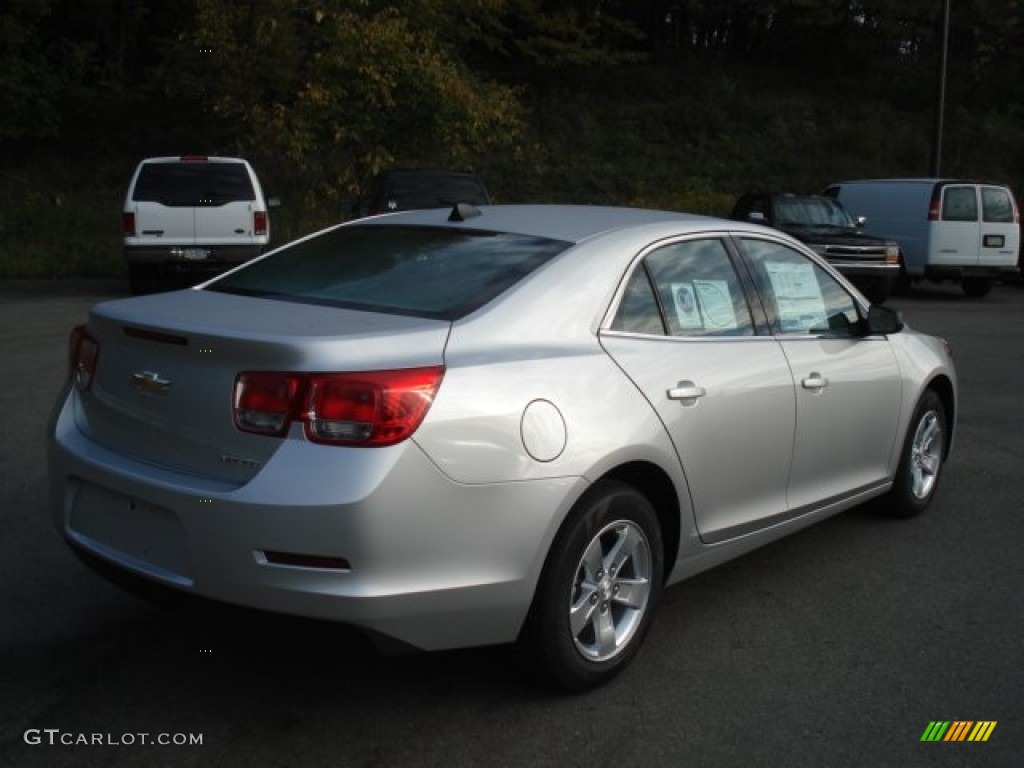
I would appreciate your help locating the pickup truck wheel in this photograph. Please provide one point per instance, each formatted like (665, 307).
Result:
(877, 289)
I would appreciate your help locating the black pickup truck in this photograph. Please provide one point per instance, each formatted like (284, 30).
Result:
(871, 263)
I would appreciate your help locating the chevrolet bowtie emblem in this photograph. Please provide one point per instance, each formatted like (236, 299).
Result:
(150, 383)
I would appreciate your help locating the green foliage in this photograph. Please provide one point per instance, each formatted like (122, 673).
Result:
(677, 104)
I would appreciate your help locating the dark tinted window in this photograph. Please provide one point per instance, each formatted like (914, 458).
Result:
(193, 184)
(420, 271)
(803, 211)
(996, 205)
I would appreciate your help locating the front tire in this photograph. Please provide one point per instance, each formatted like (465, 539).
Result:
(598, 591)
(924, 451)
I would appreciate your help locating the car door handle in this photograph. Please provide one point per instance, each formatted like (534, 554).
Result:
(686, 390)
(815, 382)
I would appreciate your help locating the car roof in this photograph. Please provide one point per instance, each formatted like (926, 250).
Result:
(197, 159)
(570, 223)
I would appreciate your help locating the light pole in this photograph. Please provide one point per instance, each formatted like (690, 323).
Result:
(940, 108)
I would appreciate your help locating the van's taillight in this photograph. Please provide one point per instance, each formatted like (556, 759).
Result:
(259, 222)
(369, 408)
(128, 223)
(935, 209)
(83, 354)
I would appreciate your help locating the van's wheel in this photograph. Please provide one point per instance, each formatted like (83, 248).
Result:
(598, 590)
(976, 286)
(924, 450)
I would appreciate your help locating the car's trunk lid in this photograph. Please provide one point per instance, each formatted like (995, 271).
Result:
(162, 392)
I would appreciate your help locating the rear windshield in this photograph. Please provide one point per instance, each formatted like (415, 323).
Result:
(193, 184)
(419, 271)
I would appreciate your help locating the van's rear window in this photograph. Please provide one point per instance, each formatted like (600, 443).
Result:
(419, 271)
(193, 184)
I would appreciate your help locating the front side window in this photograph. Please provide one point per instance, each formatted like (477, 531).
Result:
(959, 204)
(802, 298)
(996, 205)
(428, 272)
(689, 289)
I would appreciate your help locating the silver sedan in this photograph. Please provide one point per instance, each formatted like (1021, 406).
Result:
(491, 425)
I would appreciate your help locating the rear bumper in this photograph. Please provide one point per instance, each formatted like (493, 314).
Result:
(432, 563)
(191, 257)
(960, 272)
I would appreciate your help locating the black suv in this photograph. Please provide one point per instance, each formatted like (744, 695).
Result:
(871, 263)
(407, 189)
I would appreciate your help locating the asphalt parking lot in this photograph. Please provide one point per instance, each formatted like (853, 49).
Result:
(835, 647)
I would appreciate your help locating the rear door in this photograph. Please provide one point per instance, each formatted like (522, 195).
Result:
(956, 237)
(685, 334)
(1000, 230)
(225, 197)
(163, 207)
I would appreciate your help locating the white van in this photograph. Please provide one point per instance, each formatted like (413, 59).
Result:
(193, 215)
(968, 231)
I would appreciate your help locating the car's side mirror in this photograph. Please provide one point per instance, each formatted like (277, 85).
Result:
(883, 321)
(860, 222)
(273, 202)
(757, 217)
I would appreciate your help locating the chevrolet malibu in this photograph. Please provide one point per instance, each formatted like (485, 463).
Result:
(491, 425)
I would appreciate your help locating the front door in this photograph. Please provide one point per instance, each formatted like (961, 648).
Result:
(847, 385)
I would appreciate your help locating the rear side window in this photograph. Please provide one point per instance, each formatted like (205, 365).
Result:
(419, 271)
(689, 289)
(996, 205)
(960, 204)
(193, 184)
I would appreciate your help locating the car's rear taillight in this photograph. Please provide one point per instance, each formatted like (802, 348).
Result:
(83, 355)
(265, 402)
(128, 223)
(369, 408)
(259, 222)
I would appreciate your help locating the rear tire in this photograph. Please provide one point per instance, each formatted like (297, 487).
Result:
(976, 286)
(598, 590)
(924, 451)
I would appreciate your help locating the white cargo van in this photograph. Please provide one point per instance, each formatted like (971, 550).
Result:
(192, 215)
(968, 231)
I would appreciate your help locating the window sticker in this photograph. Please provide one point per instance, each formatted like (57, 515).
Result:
(687, 311)
(716, 307)
(704, 305)
(797, 295)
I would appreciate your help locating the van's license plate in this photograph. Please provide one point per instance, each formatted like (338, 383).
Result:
(994, 241)
(194, 254)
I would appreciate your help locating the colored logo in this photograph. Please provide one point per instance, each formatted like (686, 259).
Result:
(958, 730)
